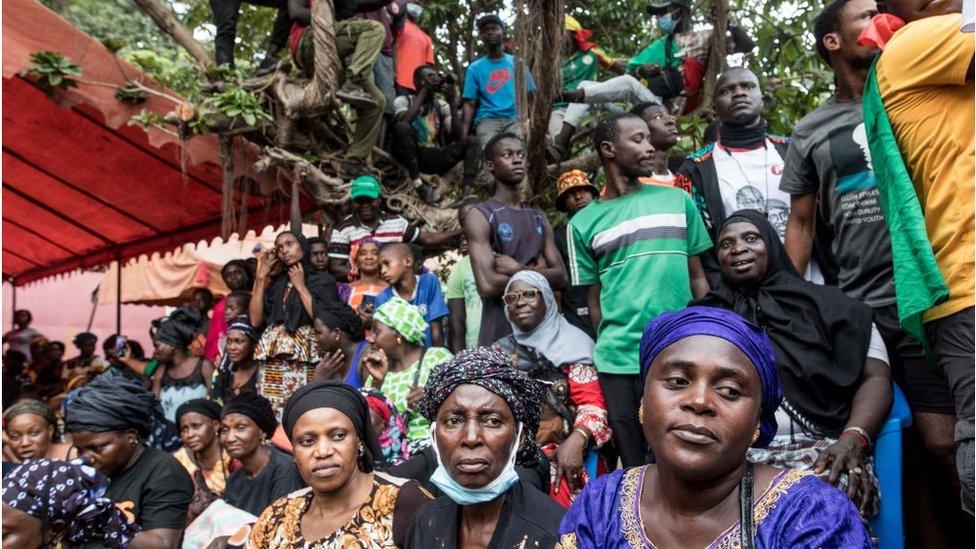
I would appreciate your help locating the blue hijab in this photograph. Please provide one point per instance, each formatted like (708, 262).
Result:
(669, 328)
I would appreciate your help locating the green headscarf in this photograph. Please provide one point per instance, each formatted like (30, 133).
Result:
(404, 318)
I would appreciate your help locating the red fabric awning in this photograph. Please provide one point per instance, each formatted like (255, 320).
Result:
(80, 186)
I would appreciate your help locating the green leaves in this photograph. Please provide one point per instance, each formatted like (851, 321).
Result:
(146, 118)
(239, 103)
(53, 71)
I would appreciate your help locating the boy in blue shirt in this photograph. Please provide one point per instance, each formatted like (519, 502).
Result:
(489, 86)
(422, 291)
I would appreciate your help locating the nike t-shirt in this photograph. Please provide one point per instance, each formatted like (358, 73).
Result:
(491, 82)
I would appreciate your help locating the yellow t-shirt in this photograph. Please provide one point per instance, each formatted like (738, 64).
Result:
(922, 80)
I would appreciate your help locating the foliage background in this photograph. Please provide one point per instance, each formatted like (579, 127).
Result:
(794, 79)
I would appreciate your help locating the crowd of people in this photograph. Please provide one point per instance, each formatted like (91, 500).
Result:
(698, 351)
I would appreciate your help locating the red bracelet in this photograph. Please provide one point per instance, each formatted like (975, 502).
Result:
(862, 440)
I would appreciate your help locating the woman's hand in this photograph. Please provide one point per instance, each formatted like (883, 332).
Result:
(376, 365)
(266, 265)
(296, 274)
(844, 456)
(569, 459)
(331, 365)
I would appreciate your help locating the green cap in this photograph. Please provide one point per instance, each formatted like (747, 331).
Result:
(365, 185)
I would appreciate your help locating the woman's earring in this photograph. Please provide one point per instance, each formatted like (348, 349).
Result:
(755, 436)
(399, 340)
(640, 413)
(362, 450)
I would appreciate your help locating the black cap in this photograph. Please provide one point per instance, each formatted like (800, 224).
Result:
(491, 18)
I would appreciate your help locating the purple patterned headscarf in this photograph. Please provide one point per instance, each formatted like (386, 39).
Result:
(669, 328)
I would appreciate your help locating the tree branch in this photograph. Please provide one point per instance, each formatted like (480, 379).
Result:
(716, 57)
(167, 21)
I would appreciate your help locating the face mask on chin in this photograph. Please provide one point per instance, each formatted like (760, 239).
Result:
(470, 496)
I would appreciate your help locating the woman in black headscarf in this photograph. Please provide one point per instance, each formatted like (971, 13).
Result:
(483, 414)
(831, 360)
(180, 376)
(329, 426)
(108, 420)
(286, 292)
(246, 423)
(238, 372)
(201, 454)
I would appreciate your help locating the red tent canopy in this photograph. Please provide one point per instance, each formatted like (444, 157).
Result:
(80, 186)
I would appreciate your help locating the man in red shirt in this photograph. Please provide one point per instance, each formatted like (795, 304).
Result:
(412, 48)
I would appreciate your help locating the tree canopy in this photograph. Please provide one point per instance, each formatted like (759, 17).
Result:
(794, 79)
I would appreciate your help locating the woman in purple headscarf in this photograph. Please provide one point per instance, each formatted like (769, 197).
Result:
(711, 390)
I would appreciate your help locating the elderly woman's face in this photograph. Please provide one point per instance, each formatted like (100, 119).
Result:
(326, 449)
(239, 435)
(742, 253)
(239, 347)
(368, 259)
(475, 433)
(526, 306)
(109, 452)
(197, 431)
(29, 435)
(20, 530)
(701, 400)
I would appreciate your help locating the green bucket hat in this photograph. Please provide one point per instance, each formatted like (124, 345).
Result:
(404, 318)
(365, 186)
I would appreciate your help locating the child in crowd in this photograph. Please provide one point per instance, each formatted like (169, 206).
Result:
(423, 290)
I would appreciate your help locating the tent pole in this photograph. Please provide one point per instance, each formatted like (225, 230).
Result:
(13, 297)
(118, 294)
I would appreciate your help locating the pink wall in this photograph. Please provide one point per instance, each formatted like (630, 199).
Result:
(61, 308)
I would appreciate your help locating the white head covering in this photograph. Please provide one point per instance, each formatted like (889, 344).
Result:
(554, 338)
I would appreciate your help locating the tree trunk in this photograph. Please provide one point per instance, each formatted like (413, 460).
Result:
(716, 57)
(167, 21)
(539, 40)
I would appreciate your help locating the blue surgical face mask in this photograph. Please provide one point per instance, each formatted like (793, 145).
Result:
(667, 23)
(470, 496)
(414, 10)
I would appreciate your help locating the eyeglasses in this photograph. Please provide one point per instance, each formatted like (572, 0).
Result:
(526, 295)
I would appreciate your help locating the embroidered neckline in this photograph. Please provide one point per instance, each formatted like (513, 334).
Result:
(632, 527)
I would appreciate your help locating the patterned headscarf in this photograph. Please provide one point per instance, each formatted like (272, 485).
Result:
(393, 439)
(489, 368)
(69, 493)
(404, 318)
(242, 323)
(669, 328)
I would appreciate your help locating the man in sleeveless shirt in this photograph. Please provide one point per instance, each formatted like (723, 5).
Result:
(506, 237)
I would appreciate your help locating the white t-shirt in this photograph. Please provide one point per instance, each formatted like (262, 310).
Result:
(749, 180)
